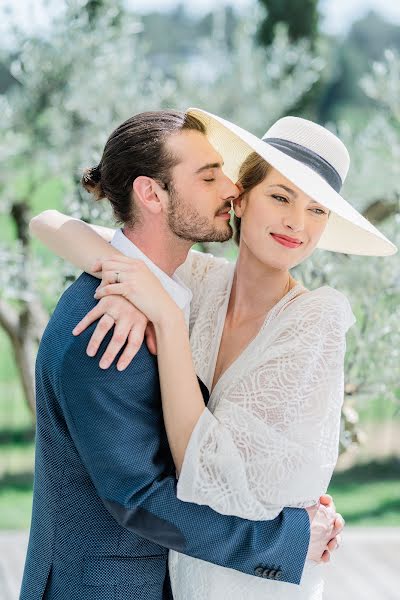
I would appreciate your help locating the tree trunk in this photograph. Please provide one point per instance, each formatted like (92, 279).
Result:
(25, 330)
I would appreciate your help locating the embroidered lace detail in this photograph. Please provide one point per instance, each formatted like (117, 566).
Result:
(269, 437)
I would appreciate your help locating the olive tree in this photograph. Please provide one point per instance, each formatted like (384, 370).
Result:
(90, 71)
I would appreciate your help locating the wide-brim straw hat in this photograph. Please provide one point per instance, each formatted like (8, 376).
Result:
(314, 160)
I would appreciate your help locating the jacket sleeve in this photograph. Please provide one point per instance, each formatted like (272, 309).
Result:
(115, 420)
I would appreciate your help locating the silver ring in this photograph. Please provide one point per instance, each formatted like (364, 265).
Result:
(117, 279)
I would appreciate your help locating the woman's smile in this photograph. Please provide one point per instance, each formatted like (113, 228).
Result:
(287, 241)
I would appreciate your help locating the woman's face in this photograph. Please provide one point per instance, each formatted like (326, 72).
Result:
(280, 225)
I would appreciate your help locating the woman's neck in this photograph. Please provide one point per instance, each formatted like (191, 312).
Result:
(256, 288)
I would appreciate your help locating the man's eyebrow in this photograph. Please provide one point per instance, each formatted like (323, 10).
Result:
(289, 191)
(217, 165)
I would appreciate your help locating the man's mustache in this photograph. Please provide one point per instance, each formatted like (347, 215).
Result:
(224, 208)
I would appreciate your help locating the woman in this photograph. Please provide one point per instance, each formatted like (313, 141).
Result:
(270, 351)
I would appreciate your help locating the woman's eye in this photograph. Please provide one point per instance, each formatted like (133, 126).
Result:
(280, 198)
(318, 211)
(211, 179)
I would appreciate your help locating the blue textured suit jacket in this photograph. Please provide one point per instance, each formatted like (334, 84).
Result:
(105, 509)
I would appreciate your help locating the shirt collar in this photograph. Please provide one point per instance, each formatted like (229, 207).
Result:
(175, 287)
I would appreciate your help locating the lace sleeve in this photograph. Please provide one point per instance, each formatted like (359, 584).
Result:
(194, 273)
(272, 440)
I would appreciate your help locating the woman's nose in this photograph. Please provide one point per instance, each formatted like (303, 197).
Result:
(294, 221)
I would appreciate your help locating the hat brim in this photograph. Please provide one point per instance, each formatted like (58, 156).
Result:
(347, 230)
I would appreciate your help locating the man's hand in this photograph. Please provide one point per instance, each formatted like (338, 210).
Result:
(326, 527)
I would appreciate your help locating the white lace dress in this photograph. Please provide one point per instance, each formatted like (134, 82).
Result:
(269, 436)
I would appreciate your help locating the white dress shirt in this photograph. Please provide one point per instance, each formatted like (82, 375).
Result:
(174, 286)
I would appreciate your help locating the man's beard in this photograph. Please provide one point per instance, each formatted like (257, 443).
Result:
(186, 223)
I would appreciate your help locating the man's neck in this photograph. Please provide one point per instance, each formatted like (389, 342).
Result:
(167, 252)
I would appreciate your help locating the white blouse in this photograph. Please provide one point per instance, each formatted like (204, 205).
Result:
(269, 437)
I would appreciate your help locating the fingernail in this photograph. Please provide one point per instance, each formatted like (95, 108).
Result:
(90, 352)
(121, 367)
(104, 365)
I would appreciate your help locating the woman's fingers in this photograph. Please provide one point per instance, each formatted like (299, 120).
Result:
(112, 266)
(151, 340)
(92, 316)
(326, 557)
(327, 500)
(135, 340)
(97, 266)
(332, 545)
(129, 325)
(102, 328)
(120, 335)
(339, 523)
(110, 276)
(119, 289)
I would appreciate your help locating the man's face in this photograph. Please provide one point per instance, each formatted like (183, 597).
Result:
(199, 193)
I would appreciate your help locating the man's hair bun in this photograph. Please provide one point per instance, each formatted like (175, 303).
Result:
(91, 181)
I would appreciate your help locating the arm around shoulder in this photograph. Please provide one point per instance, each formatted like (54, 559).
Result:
(60, 232)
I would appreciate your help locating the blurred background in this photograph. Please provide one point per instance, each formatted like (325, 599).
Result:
(71, 71)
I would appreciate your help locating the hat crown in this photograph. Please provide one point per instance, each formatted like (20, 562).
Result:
(314, 137)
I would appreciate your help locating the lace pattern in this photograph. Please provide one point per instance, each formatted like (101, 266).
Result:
(269, 437)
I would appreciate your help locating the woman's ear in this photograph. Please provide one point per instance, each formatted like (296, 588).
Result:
(239, 205)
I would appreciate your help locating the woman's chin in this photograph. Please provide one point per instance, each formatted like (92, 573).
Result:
(275, 262)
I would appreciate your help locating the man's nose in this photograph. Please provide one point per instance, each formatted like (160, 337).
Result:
(230, 190)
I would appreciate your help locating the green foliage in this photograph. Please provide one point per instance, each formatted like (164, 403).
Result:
(300, 16)
(351, 58)
(16, 447)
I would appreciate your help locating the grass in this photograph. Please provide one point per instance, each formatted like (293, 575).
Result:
(16, 477)
(369, 494)
(16, 457)
(16, 445)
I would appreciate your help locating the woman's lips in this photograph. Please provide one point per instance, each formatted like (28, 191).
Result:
(285, 242)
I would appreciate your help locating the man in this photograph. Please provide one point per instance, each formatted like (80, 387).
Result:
(105, 510)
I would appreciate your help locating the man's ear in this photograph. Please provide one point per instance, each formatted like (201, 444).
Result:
(148, 193)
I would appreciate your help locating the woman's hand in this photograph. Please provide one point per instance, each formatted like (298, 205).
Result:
(133, 280)
(130, 328)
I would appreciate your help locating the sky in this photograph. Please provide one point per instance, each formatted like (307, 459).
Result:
(337, 15)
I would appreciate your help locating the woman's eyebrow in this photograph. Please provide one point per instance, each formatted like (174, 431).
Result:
(287, 189)
(217, 165)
